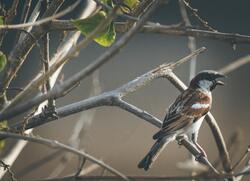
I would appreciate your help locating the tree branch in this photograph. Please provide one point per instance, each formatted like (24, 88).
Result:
(191, 40)
(21, 50)
(121, 27)
(42, 21)
(57, 145)
(135, 178)
(112, 98)
(235, 65)
(60, 90)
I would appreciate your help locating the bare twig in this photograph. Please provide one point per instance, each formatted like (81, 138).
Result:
(196, 177)
(194, 12)
(107, 99)
(245, 171)
(113, 97)
(42, 21)
(235, 65)
(164, 29)
(191, 40)
(16, 150)
(33, 85)
(26, 10)
(191, 46)
(57, 145)
(116, 95)
(24, 16)
(21, 50)
(61, 89)
(33, 17)
(80, 167)
(242, 159)
(79, 129)
(8, 17)
(90, 169)
(37, 164)
(196, 153)
(232, 145)
(7, 167)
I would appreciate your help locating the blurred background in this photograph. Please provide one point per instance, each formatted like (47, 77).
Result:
(122, 139)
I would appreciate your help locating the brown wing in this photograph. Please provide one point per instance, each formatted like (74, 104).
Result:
(181, 113)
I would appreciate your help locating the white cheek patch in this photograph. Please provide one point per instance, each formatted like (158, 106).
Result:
(205, 84)
(199, 106)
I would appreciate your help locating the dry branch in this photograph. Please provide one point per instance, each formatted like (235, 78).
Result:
(60, 90)
(57, 145)
(42, 21)
(113, 98)
(235, 65)
(18, 55)
(191, 40)
(165, 30)
(134, 178)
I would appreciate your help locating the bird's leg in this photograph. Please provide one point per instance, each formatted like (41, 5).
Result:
(50, 110)
(194, 140)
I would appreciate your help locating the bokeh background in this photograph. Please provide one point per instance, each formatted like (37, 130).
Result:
(122, 139)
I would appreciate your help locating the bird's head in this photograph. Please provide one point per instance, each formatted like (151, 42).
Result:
(206, 80)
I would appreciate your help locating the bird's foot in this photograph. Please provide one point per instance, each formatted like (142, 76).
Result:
(50, 111)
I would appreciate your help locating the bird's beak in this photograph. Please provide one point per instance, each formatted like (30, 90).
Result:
(218, 82)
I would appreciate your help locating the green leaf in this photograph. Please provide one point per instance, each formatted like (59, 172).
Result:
(86, 26)
(3, 61)
(128, 5)
(3, 125)
(131, 3)
(1, 20)
(108, 38)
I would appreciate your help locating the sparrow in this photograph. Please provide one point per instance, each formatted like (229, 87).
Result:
(185, 115)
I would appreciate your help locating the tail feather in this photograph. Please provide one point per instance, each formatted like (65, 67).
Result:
(152, 155)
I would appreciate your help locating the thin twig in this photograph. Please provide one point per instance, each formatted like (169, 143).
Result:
(7, 167)
(174, 30)
(58, 91)
(18, 147)
(196, 153)
(19, 53)
(107, 98)
(79, 129)
(44, 20)
(81, 165)
(242, 159)
(235, 65)
(191, 46)
(24, 16)
(38, 163)
(58, 64)
(244, 171)
(191, 40)
(232, 145)
(57, 145)
(194, 12)
(196, 177)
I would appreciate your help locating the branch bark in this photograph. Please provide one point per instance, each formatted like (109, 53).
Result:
(113, 98)
(21, 50)
(60, 90)
(57, 145)
(174, 30)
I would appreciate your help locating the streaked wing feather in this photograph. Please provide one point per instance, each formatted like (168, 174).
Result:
(181, 114)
